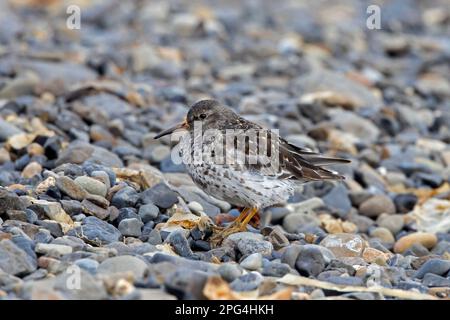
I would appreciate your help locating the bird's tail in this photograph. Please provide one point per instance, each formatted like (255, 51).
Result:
(311, 164)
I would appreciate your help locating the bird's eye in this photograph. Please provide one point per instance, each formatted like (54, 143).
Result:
(202, 116)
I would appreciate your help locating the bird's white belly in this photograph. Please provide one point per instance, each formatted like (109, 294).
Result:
(242, 189)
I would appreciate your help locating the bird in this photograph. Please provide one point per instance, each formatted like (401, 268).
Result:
(243, 163)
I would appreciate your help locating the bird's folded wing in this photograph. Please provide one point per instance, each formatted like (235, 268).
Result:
(263, 152)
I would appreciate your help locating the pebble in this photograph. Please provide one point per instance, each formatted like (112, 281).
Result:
(442, 247)
(372, 255)
(383, 234)
(433, 280)
(8, 130)
(247, 282)
(159, 153)
(344, 245)
(362, 223)
(417, 250)
(180, 244)
(43, 236)
(195, 207)
(310, 262)
(125, 197)
(72, 207)
(346, 281)
(14, 260)
(154, 237)
(90, 265)
(435, 266)
(4, 156)
(52, 210)
(291, 254)
(26, 244)
(338, 199)
(276, 269)
(90, 288)
(97, 231)
(81, 152)
(377, 205)
(31, 216)
(98, 200)
(94, 169)
(91, 208)
(131, 227)
(123, 264)
(91, 185)
(148, 212)
(127, 213)
(411, 285)
(54, 250)
(70, 188)
(185, 24)
(160, 195)
(394, 223)
(35, 149)
(278, 239)
(103, 177)
(10, 201)
(248, 246)
(32, 169)
(428, 240)
(75, 243)
(229, 271)
(294, 221)
(327, 254)
(17, 215)
(405, 202)
(252, 262)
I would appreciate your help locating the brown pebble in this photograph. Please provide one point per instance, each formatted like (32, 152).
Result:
(20, 140)
(93, 209)
(16, 186)
(4, 235)
(35, 149)
(371, 255)
(4, 156)
(428, 240)
(32, 169)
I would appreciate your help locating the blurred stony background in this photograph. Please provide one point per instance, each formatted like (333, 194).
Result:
(83, 182)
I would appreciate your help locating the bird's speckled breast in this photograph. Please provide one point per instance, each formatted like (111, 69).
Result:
(240, 188)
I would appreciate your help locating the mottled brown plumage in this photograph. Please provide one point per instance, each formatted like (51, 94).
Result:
(295, 163)
(253, 182)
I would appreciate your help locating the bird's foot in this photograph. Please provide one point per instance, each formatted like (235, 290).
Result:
(221, 234)
(239, 225)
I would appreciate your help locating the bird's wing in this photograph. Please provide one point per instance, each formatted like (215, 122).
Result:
(307, 165)
(263, 152)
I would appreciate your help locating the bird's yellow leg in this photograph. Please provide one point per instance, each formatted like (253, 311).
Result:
(237, 226)
(242, 215)
(249, 217)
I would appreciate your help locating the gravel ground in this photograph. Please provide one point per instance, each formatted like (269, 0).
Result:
(92, 207)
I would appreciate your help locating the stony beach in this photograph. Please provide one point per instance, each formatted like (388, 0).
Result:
(92, 207)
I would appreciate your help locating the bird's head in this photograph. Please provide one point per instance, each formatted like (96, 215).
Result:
(206, 111)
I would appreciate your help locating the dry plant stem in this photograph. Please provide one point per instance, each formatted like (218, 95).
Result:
(294, 280)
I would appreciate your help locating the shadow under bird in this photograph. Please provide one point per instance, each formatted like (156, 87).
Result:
(255, 182)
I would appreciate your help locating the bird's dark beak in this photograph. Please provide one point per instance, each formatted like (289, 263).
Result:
(182, 125)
